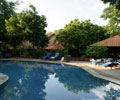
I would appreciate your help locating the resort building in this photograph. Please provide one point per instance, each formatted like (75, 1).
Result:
(52, 44)
(113, 44)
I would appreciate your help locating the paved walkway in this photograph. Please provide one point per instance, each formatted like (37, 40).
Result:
(96, 70)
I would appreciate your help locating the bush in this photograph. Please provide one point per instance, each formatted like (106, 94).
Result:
(24, 52)
(97, 52)
(83, 56)
(38, 53)
(1, 49)
(32, 53)
(57, 50)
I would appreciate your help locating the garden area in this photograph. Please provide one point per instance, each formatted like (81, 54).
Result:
(37, 62)
(76, 37)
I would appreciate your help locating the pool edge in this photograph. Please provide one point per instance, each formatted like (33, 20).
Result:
(86, 67)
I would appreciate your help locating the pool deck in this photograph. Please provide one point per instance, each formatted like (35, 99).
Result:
(96, 70)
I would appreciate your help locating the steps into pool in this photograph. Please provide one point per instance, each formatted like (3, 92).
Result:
(3, 78)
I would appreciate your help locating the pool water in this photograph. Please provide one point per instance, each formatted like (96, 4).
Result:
(44, 81)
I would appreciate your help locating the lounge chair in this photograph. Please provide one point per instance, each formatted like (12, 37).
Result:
(47, 55)
(7, 55)
(62, 59)
(55, 56)
(109, 64)
(107, 60)
(95, 62)
(118, 61)
(101, 60)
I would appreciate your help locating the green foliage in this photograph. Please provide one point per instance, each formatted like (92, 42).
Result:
(116, 3)
(97, 52)
(32, 53)
(63, 37)
(15, 29)
(38, 53)
(78, 35)
(7, 9)
(67, 57)
(76, 79)
(24, 53)
(113, 15)
(112, 94)
(35, 28)
(27, 25)
(61, 52)
(1, 49)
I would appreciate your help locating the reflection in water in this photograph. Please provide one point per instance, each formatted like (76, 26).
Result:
(43, 81)
(25, 83)
(76, 79)
(112, 94)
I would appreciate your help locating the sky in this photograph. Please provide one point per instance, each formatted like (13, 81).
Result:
(61, 12)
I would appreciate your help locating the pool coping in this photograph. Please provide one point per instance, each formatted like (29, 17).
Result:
(86, 66)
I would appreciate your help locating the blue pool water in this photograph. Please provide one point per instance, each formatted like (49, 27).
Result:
(44, 81)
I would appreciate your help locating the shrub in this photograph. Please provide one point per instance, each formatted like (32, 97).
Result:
(24, 52)
(57, 50)
(37, 53)
(1, 49)
(97, 52)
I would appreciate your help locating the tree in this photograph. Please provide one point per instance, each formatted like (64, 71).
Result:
(27, 25)
(79, 35)
(116, 3)
(16, 29)
(7, 9)
(36, 25)
(62, 37)
(113, 15)
(97, 52)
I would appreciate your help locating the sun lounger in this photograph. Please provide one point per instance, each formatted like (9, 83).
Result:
(107, 60)
(46, 56)
(118, 61)
(7, 55)
(109, 64)
(101, 60)
(95, 62)
(62, 59)
(55, 56)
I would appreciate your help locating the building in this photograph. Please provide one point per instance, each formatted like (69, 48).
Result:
(112, 43)
(52, 44)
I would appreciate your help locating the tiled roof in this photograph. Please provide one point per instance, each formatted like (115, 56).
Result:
(52, 44)
(25, 44)
(110, 42)
(49, 34)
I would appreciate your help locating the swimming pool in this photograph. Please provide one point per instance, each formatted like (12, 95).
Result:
(44, 81)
